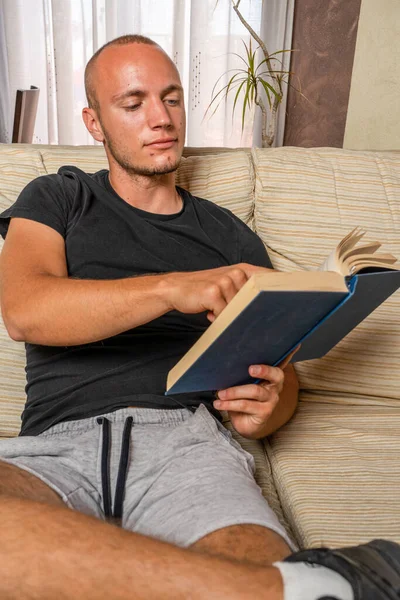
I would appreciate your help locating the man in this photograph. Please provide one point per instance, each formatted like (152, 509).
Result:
(109, 279)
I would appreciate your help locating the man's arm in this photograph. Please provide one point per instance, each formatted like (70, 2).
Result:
(42, 305)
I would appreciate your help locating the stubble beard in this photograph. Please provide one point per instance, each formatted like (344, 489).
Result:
(125, 162)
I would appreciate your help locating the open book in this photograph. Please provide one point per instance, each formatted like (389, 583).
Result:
(276, 311)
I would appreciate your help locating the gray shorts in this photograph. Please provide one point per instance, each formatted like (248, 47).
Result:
(175, 475)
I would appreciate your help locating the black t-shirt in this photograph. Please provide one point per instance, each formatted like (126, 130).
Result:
(107, 238)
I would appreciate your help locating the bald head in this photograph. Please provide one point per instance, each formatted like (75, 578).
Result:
(136, 106)
(90, 71)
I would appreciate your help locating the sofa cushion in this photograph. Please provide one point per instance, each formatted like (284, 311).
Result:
(12, 383)
(337, 473)
(306, 201)
(226, 179)
(17, 168)
(88, 158)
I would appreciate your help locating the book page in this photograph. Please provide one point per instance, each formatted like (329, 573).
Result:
(333, 261)
(347, 259)
(365, 260)
(364, 249)
(330, 263)
(350, 240)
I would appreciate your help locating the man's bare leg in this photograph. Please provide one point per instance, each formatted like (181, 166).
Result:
(49, 551)
(245, 542)
(18, 482)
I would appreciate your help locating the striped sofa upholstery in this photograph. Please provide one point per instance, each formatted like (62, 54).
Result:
(332, 473)
(336, 465)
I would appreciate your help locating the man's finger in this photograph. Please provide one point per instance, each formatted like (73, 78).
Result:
(247, 406)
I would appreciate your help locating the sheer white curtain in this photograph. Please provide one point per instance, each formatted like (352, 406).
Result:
(277, 29)
(47, 43)
(5, 111)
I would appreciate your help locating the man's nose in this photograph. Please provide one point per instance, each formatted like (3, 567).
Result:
(158, 114)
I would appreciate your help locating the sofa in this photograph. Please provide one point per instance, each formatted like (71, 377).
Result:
(332, 473)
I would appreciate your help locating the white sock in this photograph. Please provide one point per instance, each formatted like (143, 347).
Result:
(302, 581)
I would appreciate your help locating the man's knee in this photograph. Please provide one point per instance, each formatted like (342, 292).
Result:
(246, 542)
(15, 481)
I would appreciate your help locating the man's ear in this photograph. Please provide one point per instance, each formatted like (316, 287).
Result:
(92, 124)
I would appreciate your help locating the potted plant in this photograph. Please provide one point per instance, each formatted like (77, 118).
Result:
(261, 82)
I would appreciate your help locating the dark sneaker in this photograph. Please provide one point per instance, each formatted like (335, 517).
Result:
(373, 569)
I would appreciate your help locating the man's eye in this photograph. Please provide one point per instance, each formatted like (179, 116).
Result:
(172, 102)
(132, 107)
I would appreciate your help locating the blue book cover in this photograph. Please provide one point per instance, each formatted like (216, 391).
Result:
(275, 322)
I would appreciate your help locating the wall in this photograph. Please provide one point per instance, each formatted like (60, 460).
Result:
(373, 119)
(324, 39)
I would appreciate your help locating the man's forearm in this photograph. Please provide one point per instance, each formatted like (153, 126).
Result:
(61, 311)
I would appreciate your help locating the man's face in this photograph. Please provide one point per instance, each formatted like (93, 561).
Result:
(141, 108)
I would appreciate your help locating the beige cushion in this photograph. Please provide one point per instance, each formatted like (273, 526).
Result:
(227, 180)
(306, 201)
(87, 158)
(12, 383)
(17, 168)
(337, 473)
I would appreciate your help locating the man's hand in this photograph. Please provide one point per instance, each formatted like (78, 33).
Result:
(250, 406)
(210, 289)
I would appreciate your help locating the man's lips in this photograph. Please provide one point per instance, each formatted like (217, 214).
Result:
(162, 143)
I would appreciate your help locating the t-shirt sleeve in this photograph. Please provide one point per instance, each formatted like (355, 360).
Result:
(252, 249)
(41, 200)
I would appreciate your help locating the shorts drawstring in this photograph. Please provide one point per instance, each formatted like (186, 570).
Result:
(105, 466)
(122, 468)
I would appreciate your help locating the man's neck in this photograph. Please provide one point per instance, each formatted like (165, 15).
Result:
(156, 194)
